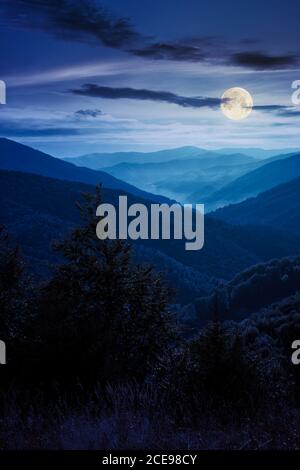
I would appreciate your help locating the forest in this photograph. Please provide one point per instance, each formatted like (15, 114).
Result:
(99, 357)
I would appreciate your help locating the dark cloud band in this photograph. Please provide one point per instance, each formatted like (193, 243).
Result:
(82, 21)
(42, 132)
(261, 61)
(171, 51)
(88, 21)
(88, 113)
(269, 107)
(96, 91)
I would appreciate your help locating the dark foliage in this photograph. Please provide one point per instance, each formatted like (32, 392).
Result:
(248, 292)
(100, 330)
(13, 288)
(101, 317)
(271, 333)
(218, 371)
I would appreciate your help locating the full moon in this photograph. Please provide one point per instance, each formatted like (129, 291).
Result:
(236, 103)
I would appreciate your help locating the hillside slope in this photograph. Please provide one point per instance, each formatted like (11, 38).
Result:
(248, 292)
(102, 160)
(37, 210)
(259, 180)
(277, 207)
(19, 157)
(177, 178)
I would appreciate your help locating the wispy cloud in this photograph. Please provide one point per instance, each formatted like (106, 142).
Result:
(281, 110)
(289, 112)
(93, 90)
(85, 21)
(42, 132)
(213, 50)
(270, 107)
(173, 51)
(88, 21)
(73, 72)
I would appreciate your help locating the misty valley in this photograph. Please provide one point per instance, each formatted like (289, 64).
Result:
(175, 325)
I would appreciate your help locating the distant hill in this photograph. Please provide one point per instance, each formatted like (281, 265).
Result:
(259, 180)
(191, 179)
(187, 174)
(18, 157)
(177, 178)
(248, 292)
(102, 160)
(38, 209)
(277, 207)
(257, 152)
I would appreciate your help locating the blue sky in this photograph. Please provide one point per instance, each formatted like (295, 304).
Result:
(86, 76)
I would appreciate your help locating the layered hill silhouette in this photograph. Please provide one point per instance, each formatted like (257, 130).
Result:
(38, 206)
(277, 207)
(178, 177)
(256, 152)
(102, 160)
(251, 184)
(19, 157)
(191, 174)
(38, 209)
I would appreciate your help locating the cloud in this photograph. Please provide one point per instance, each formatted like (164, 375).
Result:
(281, 110)
(214, 50)
(90, 89)
(261, 61)
(88, 113)
(269, 107)
(85, 21)
(88, 21)
(42, 132)
(171, 51)
(289, 112)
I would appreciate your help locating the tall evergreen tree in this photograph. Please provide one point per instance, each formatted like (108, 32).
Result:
(102, 317)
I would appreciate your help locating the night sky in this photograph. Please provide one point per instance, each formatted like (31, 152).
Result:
(87, 76)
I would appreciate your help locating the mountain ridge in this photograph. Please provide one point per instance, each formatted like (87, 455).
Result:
(38, 209)
(279, 206)
(19, 157)
(255, 182)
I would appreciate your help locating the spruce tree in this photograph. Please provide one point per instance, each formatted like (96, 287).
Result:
(102, 317)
